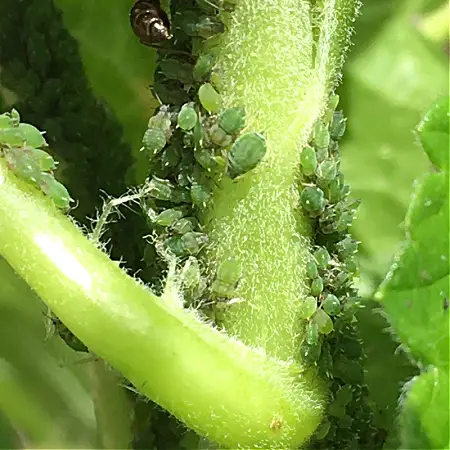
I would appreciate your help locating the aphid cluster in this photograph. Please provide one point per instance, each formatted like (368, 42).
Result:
(192, 142)
(330, 340)
(21, 145)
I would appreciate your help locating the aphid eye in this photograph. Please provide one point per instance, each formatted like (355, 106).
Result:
(149, 22)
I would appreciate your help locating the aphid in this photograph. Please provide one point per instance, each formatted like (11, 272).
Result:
(322, 257)
(313, 200)
(187, 117)
(317, 287)
(149, 22)
(311, 269)
(168, 217)
(308, 307)
(232, 120)
(218, 136)
(246, 153)
(323, 321)
(227, 279)
(331, 305)
(209, 98)
(67, 336)
(154, 141)
(308, 161)
(55, 190)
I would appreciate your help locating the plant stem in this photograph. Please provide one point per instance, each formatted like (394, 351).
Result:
(232, 394)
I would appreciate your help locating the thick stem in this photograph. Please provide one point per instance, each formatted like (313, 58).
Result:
(267, 64)
(233, 394)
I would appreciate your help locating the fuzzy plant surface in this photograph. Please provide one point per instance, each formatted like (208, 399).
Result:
(240, 318)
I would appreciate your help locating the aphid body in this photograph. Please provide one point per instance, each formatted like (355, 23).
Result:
(149, 22)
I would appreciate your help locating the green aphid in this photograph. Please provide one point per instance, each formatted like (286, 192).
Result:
(188, 244)
(5, 121)
(23, 164)
(338, 124)
(187, 117)
(168, 217)
(342, 279)
(55, 190)
(322, 257)
(316, 286)
(323, 321)
(198, 134)
(31, 135)
(311, 269)
(310, 353)
(349, 370)
(11, 137)
(188, 22)
(312, 200)
(209, 98)
(327, 170)
(331, 305)
(176, 70)
(15, 118)
(322, 431)
(43, 159)
(185, 225)
(203, 67)
(191, 274)
(308, 160)
(246, 153)
(162, 121)
(345, 220)
(307, 307)
(200, 195)
(160, 189)
(171, 156)
(336, 410)
(351, 266)
(321, 136)
(154, 141)
(207, 27)
(218, 136)
(227, 278)
(334, 191)
(68, 337)
(312, 333)
(347, 247)
(232, 120)
(183, 178)
(205, 158)
(344, 395)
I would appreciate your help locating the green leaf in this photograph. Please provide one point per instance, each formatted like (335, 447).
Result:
(434, 133)
(424, 419)
(415, 296)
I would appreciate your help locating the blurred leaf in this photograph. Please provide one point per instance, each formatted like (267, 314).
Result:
(415, 296)
(119, 68)
(386, 87)
(39, 371)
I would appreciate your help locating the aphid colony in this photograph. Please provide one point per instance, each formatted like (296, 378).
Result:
(330, 341)
(21, 145)
(192, 142)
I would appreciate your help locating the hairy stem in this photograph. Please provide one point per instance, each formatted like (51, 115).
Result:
(222, 389)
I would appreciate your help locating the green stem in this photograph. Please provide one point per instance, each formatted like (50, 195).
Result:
(233, 394)
(270, 64)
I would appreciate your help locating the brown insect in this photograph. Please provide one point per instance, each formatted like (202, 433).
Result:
(149, 22)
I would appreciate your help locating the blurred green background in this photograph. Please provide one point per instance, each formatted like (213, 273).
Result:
(396, 69)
